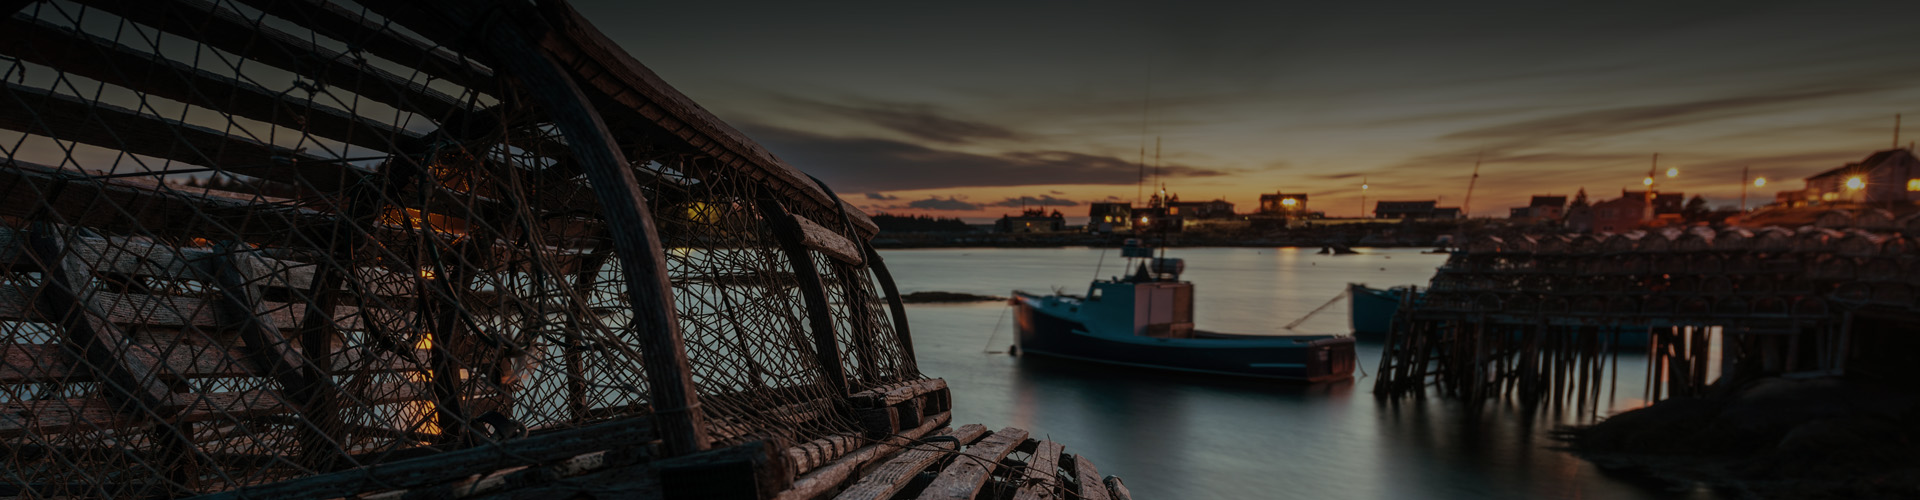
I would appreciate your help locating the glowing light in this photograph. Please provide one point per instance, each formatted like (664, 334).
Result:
(1647, 181)
(1856, 182)
(1363, 186)
(1143, 220)
(1673, 172)
(1289, 202)
(1760, 182)
(426, 272)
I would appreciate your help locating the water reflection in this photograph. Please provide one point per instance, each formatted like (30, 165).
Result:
(1175, 435)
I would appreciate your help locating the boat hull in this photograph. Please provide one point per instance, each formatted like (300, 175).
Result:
(1310, 359)
(1371, 311)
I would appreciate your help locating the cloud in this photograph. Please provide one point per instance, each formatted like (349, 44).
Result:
(881, 197)
(1056, 192)
(921, 121)
(1030, 201)
(865, 164)
(935, 203)
(1630, 119)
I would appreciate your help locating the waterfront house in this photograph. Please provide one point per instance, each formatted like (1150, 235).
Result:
(1890, 176)
(1284, 204)
(1034, 220)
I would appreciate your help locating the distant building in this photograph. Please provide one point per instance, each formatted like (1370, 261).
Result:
(1618, 215)
(1284, 204)
(1031, 221)
(1107, 217)
(1189, 210)
(1414, 210)
(1540, 209)
(1629, 211)
(1663, 203)
(1886, 176)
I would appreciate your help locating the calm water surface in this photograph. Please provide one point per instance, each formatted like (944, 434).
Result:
(1173, 436)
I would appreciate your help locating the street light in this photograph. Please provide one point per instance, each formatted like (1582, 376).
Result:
(1760, 182)
(1856, 182)
(1672, 172)
(1647, 182)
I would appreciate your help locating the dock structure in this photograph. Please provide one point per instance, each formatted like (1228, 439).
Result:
(436, 249)
(1543, 319)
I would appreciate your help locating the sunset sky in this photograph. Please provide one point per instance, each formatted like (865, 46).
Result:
(970, 108)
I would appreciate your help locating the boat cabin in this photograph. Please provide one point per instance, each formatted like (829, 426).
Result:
(1151, 303)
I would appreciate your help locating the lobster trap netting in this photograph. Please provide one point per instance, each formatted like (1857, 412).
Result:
(254, 240)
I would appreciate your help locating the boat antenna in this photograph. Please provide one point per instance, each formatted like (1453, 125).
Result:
(1466, 206)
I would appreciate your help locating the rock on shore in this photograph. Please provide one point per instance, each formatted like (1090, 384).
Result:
(1771, 438)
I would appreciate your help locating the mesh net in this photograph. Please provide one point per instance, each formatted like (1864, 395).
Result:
(243, 242)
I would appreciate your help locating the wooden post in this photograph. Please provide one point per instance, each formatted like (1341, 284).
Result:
(894, 305)
(812, 291)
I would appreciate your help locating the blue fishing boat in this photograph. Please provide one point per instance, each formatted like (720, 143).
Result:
(1146, 320)
(1371, 310)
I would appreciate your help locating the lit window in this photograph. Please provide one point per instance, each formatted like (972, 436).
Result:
(1829, 196)
(1913, 184)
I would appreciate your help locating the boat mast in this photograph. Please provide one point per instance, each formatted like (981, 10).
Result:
(1466, 207)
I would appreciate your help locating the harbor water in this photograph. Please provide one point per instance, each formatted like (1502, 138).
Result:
(1173, 435)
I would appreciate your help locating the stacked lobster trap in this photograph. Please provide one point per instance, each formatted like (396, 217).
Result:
(1543, 317)
(271, 248)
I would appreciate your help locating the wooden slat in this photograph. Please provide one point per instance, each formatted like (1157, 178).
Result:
(826, 241)
(227, 30)
(81, 415)
(456, 465)
(884, 481)
(1088, 477)
(123, 205)
(50, 363)
(358, 31)
(175, 311)
(894, 394)
(113, 63)
(832, 475)
(41, 112)
(962, 479)
(1041, 480)
(1118, 489)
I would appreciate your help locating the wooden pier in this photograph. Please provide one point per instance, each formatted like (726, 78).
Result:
(436, 249)
(1542, 319)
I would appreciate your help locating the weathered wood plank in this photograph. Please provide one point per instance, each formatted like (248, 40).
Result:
(456, 465)
(70, 295)
(884, 481)
(829, 242)
(1042, 479)
(962, 479)
(806, 456)
(832, 475)
(1118, 489)
(894, 394)
(1088, 478)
